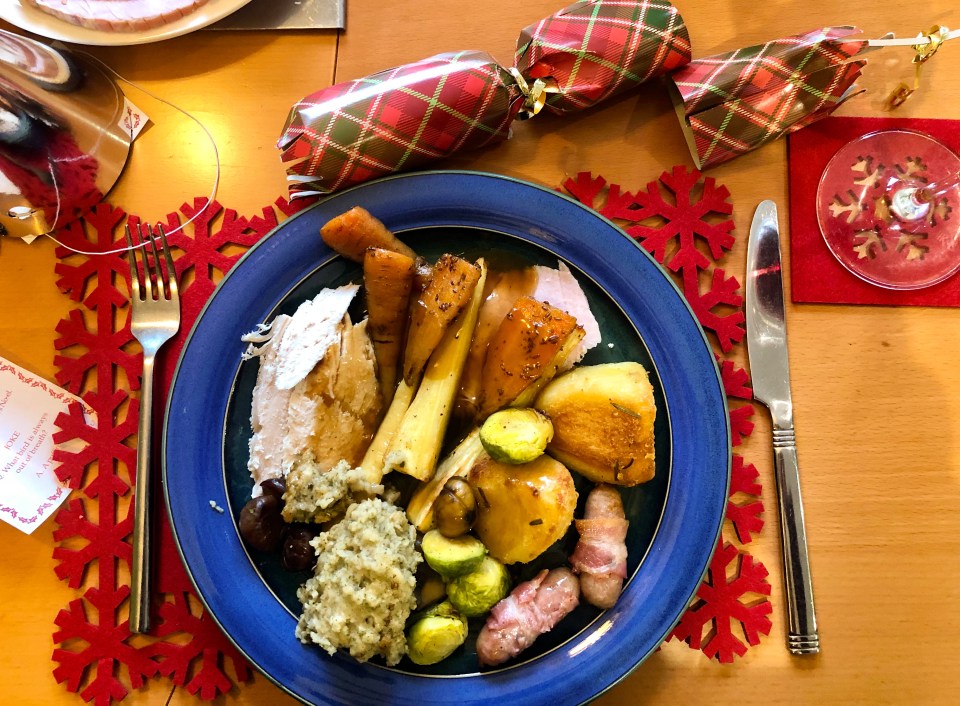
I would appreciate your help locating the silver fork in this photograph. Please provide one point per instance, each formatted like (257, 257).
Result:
(155, 303)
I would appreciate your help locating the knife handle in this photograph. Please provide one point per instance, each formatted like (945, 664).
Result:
(802, 638)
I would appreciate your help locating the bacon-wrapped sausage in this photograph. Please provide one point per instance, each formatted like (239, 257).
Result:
(533, 608)
(601, 554)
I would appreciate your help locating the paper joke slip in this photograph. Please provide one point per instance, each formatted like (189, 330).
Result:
(29, 489)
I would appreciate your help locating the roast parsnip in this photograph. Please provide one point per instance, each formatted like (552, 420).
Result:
(415, 448)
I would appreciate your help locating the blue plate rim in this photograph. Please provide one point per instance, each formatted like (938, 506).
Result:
(609, 674)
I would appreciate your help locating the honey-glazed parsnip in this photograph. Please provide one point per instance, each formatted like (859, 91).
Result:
(387, 280)
(529, 394)
(416, 446)
(457, 463)
(372, 463)
(351, 233)
(422, 272)
(450, 289)
(500, 294)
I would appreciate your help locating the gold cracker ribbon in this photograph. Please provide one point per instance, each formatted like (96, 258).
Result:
(924, 52)
(535, 96)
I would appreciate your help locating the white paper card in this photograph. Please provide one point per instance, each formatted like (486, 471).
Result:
(132, 119)
(29, 489)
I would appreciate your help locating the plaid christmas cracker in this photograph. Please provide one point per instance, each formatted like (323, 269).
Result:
(411, 115)
(397, 119)
(594, 50)
(732, 103)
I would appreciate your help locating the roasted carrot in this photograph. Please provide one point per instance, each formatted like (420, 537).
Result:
(387, 279)
(351, 233)
(449, 290)
(525, 353)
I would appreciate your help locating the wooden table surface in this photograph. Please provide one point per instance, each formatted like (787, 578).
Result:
(876, 390)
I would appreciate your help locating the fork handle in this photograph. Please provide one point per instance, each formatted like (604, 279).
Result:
(802, 637)
(140, 570)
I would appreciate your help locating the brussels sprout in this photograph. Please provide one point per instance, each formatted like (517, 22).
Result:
(452, 556)
(455, 509)
(475, 593)
(516, 435)
(435, 633)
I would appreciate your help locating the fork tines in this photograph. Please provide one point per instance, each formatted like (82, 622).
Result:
(152, 283)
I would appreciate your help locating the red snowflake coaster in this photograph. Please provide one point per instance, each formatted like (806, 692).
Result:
(670, 228)
(731, 595)
(683, 220)
(96, 654)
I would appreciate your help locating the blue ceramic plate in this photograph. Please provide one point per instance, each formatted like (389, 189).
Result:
(675, 519)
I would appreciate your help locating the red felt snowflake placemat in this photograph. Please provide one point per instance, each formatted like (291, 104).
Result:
(97, 656)
(683, 220)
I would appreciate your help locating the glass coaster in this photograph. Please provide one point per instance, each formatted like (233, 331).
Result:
(887, 205)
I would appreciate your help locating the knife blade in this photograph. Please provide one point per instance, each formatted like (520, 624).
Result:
(770, 372)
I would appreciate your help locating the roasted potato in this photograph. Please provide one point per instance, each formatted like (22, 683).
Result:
(522, 509)
(603, 419)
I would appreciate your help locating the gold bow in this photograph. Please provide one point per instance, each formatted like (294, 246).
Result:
(535, 96)
(935, 38)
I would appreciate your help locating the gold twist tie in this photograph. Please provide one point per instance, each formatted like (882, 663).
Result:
(924, 52)
(936, 37)
(535, 96)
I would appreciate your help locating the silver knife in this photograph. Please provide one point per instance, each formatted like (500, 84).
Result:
(770, 370)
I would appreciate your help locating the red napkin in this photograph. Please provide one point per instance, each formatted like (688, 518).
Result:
(816, 275)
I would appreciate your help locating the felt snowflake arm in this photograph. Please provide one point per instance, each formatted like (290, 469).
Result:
(744, 508)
